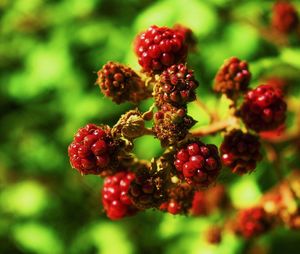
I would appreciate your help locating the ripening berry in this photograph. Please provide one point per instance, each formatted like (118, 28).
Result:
(171, 124)
(253, 222)
(199, 204)
(240, 151)
(90, 152)
(232, 78)
(285, 18)
(160, 47)
(176, 86)
(264, 108)
(199, 164)
(121, 83)
(115, 198)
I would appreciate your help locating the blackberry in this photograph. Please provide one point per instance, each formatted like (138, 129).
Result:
(240, 151)
(171, 124)
(115, 198)
(188, 35)
(176, 86)
(199, 205)
(233, 77)
(121, 83)
(91, 150)
(253, 222)
(199, 164)
(263, 108)
(285, 17)
(160, 47)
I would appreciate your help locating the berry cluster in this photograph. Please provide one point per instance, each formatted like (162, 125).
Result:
(232, 78)
(160, 47)
(240, 151)
(183, 179)
(198, 163)
(264, 108)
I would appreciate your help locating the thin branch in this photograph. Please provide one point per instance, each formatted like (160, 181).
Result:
(212, 115)
(215, 127)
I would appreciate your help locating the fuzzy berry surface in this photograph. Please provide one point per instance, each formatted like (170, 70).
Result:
(148, 190)
(199, 164)
(116, 202)
(121, 83)
(160, 47)
(233, 77)
(253, 222)
(176, 86)
(171, 124)
(90, 151)
(263, 108)
(240, 151)
(285, 18)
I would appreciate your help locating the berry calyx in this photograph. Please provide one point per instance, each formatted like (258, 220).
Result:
(171, 124)
(199, 164)
(115, 198)
(179, 199)
(91, 150)
(148, 189)
(253, 222)
(263, 108)
(160, 47)
(121, 83)
(285, 17)
(176, 86)
(240, 151)
(232, 78)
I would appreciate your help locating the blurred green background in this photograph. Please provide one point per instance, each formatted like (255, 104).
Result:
(50, 51)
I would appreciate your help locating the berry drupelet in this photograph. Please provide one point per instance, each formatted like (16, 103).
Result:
(240, 151)
(91, 150)
(253, 222)
(232, 78)
(171, 124)
(263, 108)
(199, 164)
(115, 200)
(285, 17)
(176, 86)
(160, 47)
(121, 83)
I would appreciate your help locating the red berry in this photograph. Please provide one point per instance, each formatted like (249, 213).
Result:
(115, 198)
(240, 151)
(91, 150)
(285, 17)
(199, 204)
(202, 165)
(253, 222)
(233, 77)
(121, 83)
(160, 47)
(176, 86)
(264, 108)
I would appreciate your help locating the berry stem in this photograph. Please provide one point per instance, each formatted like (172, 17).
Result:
(212, 115)
(214, 127)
